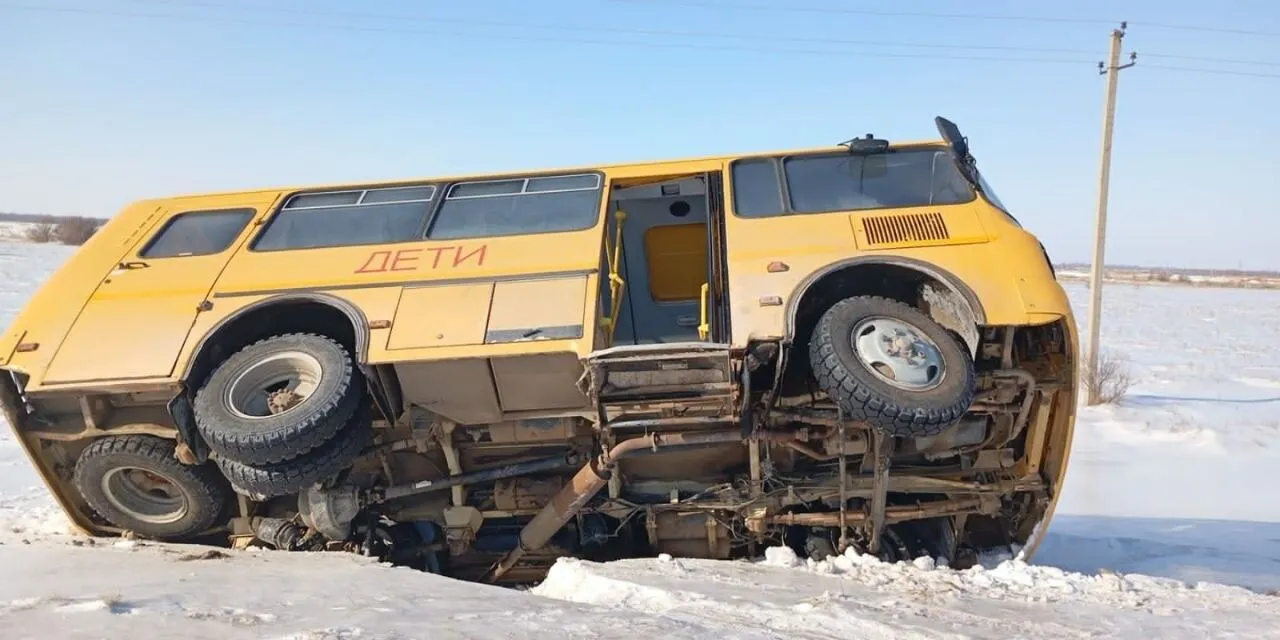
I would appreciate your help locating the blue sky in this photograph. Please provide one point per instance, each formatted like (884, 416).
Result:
(105, 103)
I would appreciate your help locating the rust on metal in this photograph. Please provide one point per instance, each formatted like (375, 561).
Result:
(882, 447)
(184, 454)
(892, 515)
(593, 476)
(844, 482)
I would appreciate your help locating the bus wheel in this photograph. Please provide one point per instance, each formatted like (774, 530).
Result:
(278, 398)
(264, 481)
(136, 483)
(891, 366)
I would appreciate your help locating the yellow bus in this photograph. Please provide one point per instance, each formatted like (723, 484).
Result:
(852, 347)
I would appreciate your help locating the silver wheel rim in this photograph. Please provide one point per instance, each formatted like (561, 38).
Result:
(898, 353)
(274, 385)
(144, 495)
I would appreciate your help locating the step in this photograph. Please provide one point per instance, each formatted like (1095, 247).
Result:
(657, 372)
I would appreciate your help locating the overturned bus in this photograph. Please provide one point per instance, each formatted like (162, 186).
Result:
(848, 346)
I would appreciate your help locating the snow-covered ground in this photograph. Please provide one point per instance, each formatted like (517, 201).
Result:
(123, 590)
(1167, 494)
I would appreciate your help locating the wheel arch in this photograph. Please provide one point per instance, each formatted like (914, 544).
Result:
(353, 333)
(948, 300)
(329, 315)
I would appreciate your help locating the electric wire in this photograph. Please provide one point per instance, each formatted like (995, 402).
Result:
(705, 46)
(790, 8)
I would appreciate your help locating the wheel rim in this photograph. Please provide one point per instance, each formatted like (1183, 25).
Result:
(898, 353)
(274, 385)
(145, 495)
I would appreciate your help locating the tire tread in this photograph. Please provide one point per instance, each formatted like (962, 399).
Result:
(262, 481)
(860, 402)
(292, 439)
(208, 491)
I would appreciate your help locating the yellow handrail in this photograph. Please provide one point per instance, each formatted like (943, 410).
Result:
(704, 326)
(616, 283)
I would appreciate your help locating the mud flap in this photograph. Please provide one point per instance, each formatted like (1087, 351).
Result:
(378, 382)
(192, 449)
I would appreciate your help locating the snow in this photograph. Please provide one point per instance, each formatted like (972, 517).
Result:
(1167, 528)
(787, 597)
(171, 591)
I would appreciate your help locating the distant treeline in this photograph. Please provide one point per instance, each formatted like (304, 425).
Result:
(29, 218)
(1228, 273)
(74, 230)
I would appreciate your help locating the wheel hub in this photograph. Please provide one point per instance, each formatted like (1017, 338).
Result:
(144, 495)
(898, 353)
(273, 385)
(282, 401)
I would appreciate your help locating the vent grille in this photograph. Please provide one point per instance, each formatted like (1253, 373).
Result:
(910, 227)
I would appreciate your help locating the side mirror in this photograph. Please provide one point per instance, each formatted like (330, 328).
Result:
(951, 133)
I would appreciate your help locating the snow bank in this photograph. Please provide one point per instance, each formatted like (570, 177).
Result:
(144, 590)
(858, 596)
(95, 589)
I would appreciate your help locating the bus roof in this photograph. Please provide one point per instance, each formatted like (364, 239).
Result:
(671, 163)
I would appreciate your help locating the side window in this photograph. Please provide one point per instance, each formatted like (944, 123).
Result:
(831, 182)
(198, 233)
(518, 206)
(846, 183)
(756, 190)
(348, 218)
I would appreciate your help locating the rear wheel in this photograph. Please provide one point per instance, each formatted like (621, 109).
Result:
(890, 365)
(263, 481)
(278, 399)
(136, 483)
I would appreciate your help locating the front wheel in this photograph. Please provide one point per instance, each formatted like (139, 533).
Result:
(136, 483)
(890, 365)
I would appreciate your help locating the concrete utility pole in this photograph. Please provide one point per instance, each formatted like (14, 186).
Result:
(1112, 70)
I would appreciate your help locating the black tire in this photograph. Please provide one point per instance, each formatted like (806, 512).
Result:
(261, 482)
(267, 439)
(865, 396)
(201, 492)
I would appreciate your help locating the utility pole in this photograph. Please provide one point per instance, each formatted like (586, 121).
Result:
(1111, 69)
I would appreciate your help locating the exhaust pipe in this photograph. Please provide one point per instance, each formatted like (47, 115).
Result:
(594, 475)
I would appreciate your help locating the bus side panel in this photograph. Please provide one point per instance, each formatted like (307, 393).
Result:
(147, 310)
(484, 325)
(1005, 273)
(49, 314)
(999, 289)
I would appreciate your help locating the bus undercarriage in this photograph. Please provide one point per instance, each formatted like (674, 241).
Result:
(683, 456)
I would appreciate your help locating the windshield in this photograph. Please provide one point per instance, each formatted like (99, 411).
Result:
(843, 182)
(991, 197)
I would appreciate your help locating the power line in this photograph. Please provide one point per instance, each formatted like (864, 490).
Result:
(641, 32)
(870, 12)
(697, 34)
(1225, 72)
(534, 38)
(702, 46)
(951, 16)
(1190, 27)
(1262, 63)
